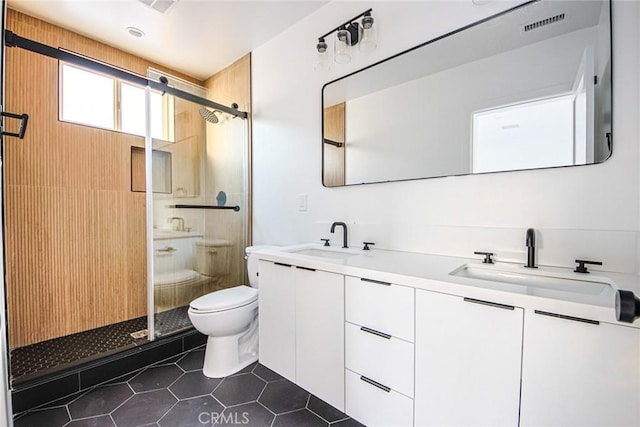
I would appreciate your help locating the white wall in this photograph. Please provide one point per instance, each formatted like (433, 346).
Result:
(587, 211)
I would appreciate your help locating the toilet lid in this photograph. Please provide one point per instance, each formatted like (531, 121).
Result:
(225, 299)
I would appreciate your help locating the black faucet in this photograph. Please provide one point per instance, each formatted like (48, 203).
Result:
(344, 232)
(530, 242)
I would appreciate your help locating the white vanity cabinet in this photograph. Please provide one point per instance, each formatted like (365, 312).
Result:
(276, 318)
(319, 320)
(578, 372)
(301, 328)
(468, 361)
(379, 352)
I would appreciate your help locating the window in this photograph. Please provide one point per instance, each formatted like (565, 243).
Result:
(93, 99)
(529, 135)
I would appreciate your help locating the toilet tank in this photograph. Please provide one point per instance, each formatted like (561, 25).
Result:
(252, 263)
(213, 257)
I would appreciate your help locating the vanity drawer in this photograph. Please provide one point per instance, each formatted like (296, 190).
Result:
(375, 406)
(381, 306)
(387, 359)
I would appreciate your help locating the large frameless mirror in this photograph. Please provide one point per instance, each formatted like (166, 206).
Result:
(526, 89)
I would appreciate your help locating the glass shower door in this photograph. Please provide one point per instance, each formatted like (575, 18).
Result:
(199, 221)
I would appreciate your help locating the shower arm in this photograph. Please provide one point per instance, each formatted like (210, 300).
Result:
(14, 40)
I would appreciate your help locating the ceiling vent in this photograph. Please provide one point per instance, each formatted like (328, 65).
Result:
(161, 6)
(543, 22)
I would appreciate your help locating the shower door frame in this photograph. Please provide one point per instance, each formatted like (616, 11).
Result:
(6, 410)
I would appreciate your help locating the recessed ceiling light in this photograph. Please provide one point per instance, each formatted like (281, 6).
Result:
(135, 32)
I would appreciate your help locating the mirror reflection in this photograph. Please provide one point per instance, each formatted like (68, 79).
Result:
(529, 88)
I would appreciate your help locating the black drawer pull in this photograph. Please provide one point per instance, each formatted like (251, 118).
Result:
(490, 304)
(282, 264)
(305, 268)
(374, 332)
(375, 384)
(562, 316)
(377, 282)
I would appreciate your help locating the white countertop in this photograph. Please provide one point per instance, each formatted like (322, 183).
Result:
(431, 272)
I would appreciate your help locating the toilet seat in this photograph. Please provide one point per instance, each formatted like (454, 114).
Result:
(225, 299)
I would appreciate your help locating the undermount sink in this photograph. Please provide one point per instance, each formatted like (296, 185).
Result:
(324, 253)
(519, 276)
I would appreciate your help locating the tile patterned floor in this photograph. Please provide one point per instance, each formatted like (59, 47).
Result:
(175, 393)
(50, 356)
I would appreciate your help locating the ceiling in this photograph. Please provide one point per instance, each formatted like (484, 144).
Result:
(195, 37)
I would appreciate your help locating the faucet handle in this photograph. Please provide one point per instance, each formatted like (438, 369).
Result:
(487, 257)
(326, 242)
(581, 265)
(366, 246)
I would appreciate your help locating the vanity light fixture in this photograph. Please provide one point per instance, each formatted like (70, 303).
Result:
(348, 34)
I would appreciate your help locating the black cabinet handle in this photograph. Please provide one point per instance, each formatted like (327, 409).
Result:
(562, 316)
(374, 332)
(24, 119)
(375, 384)
(490, 304)
(305, 268)
(377, 282)
(282, 264)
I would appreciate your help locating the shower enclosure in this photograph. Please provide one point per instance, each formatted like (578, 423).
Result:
(117, 215)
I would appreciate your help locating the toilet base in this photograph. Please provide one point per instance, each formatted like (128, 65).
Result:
(225, 356)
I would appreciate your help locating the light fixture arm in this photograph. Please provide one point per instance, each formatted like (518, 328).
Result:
(344, 24)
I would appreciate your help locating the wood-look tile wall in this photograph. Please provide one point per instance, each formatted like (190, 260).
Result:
(75, 233)
(225, 165)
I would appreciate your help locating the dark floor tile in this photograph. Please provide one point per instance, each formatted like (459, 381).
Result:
(324, 410)
(144, 408)
(123, 378)
(196, 412)
(25, 398)
(54, 417)
(246, 369)
(349, 422)
(284, 396)
(250, 414)
(266, 373)
(138, 358)
(170, 360)
(302, 418)
(194, 340)
(239, 389)
(64, 401)
(193, 361)
(100, 401)
(102, 421)
(194, 384)
(155, 378)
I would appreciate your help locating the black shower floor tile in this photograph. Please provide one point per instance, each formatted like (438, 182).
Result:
(172, 321)
(44, 358)
(170, 395)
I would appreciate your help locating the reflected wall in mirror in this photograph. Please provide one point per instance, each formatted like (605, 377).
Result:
(528, 88)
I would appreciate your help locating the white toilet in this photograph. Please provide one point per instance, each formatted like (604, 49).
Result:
(230, 318)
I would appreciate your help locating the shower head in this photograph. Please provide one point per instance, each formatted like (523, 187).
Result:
(209, 115)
